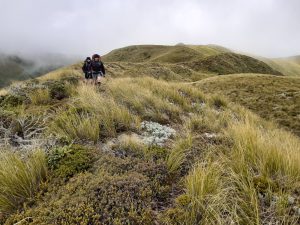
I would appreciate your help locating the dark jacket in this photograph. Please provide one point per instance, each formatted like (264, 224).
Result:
(97, 67)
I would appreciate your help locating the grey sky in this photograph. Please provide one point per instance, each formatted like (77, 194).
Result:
(263, 27)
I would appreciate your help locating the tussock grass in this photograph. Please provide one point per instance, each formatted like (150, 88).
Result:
(92, 116)
(209, 121)
(206, 193)
(132, 145)
(275, 98)
(131, 142)
(177, 93)
(75, 125)
(178, 153)
(155, 99)
(270, 153)
(20, 178)
(142, 101)
(218, 101)
(113, 117)
(61, 73)
(40, 97)
(262, 159)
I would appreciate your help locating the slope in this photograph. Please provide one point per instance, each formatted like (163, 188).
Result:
(272, 97)
(289, 66)
(139, 150)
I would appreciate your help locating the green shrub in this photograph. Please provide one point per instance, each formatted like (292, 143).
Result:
(69, 160)
(12, 100)
(6, 117)
(58, 90)
(157, 153)
(20, 178)
(95, 199)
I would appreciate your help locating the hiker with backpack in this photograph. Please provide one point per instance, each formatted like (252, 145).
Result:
(98, 70)
(87, 69)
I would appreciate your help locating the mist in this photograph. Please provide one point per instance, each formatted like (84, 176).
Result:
(76, 28)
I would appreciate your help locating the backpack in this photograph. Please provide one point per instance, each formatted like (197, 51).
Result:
(86, 67)
(97, 66)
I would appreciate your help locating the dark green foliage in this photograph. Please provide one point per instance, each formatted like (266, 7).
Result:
(130, 149)
(58, 90)
(264, 184)
(157, 153)
(6, 116)
(69, 160)
(12, 100)
(95, 199)
(127, 197)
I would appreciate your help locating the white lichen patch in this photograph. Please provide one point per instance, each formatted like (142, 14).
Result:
(155, 133)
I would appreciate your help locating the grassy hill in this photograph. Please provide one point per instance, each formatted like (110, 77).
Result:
(147, 147)
(204, 59)
(272, 97)
(289, 66)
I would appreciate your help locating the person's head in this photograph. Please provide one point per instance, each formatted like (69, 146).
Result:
(96, 57)
(88, 59)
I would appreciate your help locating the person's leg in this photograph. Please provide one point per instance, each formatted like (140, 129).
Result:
(96, 79)
(99, 79)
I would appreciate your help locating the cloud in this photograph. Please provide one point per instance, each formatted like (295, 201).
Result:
(264, 27)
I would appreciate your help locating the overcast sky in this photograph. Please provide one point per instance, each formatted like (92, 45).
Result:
(263, 27)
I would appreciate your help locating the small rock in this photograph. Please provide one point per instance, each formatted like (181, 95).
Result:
(260, 196)
(210, 135)
(291, 200)
(275, 198)
(297, 210)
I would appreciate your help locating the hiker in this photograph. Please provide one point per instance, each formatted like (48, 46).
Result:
(98, 70)
(87, 69)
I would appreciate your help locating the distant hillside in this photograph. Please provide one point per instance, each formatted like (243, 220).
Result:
(272, 97)
(229, 63)
(295, 59)
(14, 68)
(205, 59)
(289, 66)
